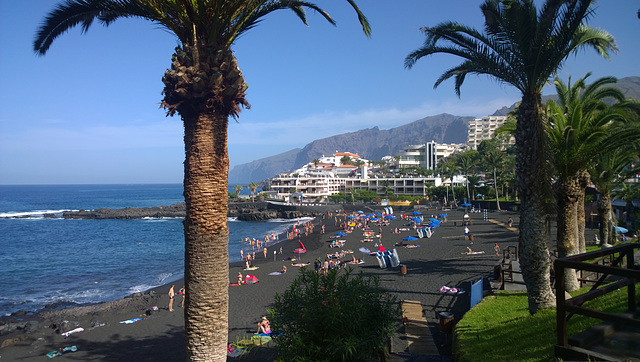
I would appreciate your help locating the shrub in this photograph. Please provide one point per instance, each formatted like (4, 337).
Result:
(340, 316)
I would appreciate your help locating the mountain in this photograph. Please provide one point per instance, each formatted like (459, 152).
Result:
(374, 143)
(371, 143)
(263, 168)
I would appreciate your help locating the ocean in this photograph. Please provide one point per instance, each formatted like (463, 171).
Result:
(61, 263)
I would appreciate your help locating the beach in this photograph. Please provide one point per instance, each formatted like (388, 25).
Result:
(159, 335)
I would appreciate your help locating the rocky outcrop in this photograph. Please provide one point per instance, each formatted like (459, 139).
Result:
(246, 211)
(175, 210)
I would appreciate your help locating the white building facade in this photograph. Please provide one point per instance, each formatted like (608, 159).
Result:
(484, 128)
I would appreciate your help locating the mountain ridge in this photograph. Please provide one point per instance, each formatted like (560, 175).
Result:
(373, 143)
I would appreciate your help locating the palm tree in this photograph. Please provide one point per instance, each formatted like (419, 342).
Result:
(578, 124)
(238, 188)
(494, 160)
(627, 193)
(609, 170)
(465, 162)
(448, 169)
(253, 187)
(315, 163)
(524, 48)
(204, 86)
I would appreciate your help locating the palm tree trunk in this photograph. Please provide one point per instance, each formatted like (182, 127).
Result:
(495, 186)
(206, 236)
(567, 234)
(604, 216)
(531, 179)
(582, 242)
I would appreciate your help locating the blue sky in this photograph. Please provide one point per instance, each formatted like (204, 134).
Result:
(87, 111)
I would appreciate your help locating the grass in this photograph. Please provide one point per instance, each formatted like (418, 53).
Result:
(500, 327)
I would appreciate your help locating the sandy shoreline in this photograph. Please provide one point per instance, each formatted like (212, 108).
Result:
(160, 336)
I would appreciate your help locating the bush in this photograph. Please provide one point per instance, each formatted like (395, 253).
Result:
(335, 317)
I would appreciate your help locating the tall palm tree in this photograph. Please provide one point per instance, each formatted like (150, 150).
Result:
(578, 124)
(465, 162)
(609, 170)
(523, 47)
(494, 160)
(204, 86)
(253, 187)
(238, 188)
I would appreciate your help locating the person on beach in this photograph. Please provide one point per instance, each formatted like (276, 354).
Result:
(509, 222)
(263, 326)
(497, 248)
(466, 219)
(265, 252)
(171, 295)
(284, 269)
(182, 292)
(466, 232)
(239, 278)
(241, 254)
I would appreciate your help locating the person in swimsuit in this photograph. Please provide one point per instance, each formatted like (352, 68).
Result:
(239, 278)
(171, 295)
(184, 295)
(263, 326)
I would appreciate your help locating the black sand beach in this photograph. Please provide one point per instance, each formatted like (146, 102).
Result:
(438, 261)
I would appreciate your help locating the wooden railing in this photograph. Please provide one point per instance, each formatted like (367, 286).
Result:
(623, 275)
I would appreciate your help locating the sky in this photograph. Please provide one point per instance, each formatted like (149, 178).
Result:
(88, 111)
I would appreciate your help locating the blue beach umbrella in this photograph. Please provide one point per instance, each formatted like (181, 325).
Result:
(434, 220)
(340, 234)
(443, 215)
(389, 217)
(360, 212)
(378, 214)
(433, 225)
(621, 230)
(374, 219)
(416, 213)
(352, 217)
(465, 204)
(416, 219)
(409, 238)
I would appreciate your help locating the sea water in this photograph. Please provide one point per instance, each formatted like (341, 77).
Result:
(47, 261)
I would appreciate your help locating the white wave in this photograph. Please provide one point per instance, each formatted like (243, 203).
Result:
(292, 221)
(159, 219)
(140, 288)
(35, 214)
(232, 219)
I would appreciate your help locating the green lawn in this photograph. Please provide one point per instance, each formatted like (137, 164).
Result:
(500, 328)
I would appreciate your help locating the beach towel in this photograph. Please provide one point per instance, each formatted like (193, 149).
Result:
(66, 334)
(132, 320)
(275, 273)
(62, 351)
(446, 289)
(252, 268)
(300, 264)
(233, 351)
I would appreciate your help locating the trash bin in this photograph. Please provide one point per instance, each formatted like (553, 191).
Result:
(403, 269)
(446, 322)
(470, 237)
